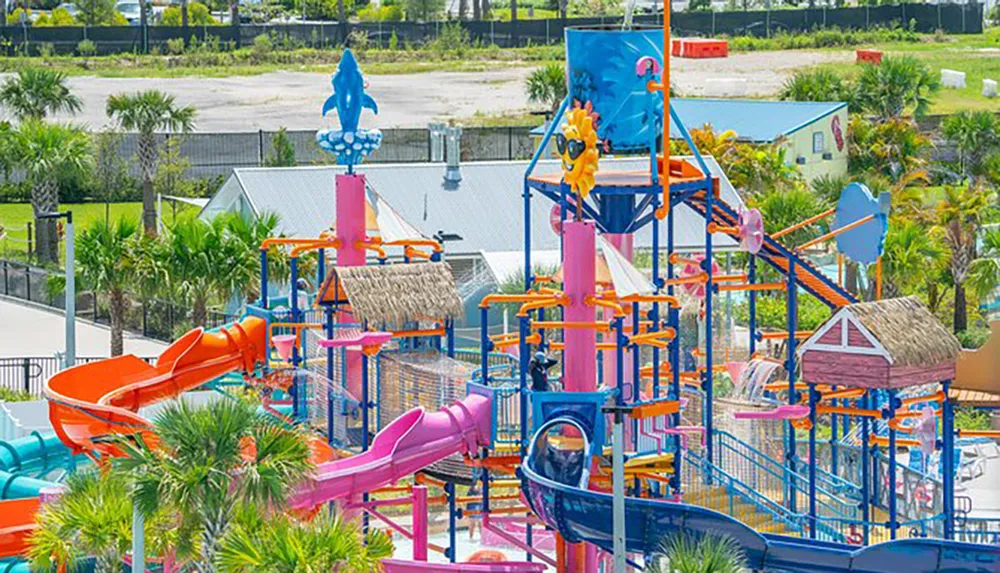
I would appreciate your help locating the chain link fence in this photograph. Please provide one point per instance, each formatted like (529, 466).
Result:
(950, 18)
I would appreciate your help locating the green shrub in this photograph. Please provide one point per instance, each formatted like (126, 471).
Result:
(262, 45)
(282, 151)
(772, 313)
(971, 418)
(59, 17)
(816, 85)
(86, 48)
(383, 13)
(14, 18)
(175, 46)
(974, 337)
(198, 15)
(8, 395)
(393, 41)
(46, 49)
(452, 38)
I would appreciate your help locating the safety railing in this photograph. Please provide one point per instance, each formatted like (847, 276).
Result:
(28, 374)
(978, 530)
(777, 481)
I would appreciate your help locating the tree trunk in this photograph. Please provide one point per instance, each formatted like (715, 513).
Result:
(199, 311)
(148, 155)
(184, 17)
(45, 199)
(476, 14)
(116, 307)
(961, 320)
(851, 277)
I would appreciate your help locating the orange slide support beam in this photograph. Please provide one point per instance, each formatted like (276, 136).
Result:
(834, 233)
(806, 223)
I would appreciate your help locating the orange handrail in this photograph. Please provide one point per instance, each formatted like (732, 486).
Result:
(738, 277)
(676, 259)
(664, 298)
(652, 409)
(526, 297)
(267, 243)
(979, 433)
(540, 304)
(371, 246)
(412, 253)
(564, 325)
(784, 335)
(440, 331)
(860, 412)
(846, 393)
(416, 243)
(595, 301)
(808, 221)
(752, 287)
(714, 227)
(698, 278)
(884, 441)
(835, 232)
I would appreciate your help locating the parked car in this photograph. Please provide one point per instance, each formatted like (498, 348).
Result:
(70, 7)
(131, 10)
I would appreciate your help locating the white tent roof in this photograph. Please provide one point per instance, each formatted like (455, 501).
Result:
(625, 278)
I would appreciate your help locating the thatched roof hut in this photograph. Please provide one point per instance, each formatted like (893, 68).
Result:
(393, 295)
(890, 343)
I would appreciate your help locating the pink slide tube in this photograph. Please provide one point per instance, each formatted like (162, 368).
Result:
(413, 441)
(783, 412)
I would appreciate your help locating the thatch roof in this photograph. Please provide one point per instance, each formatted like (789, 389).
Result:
(394, 295)
(908, 331)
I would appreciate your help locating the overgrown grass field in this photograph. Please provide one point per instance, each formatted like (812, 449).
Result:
(14, 219)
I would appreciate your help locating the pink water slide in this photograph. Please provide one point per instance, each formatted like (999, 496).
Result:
(412, 442)
(400, 566)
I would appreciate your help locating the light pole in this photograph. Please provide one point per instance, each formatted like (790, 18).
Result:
(69, 358)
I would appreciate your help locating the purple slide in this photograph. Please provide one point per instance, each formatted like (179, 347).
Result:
(412, 442)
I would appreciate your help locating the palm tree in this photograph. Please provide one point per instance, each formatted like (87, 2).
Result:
(146, 113)
(910, 249)
(816, 85)
(247, 234)
(898, 85)
(113, 258)
(976, 135)
(708, 553)
(92, 518)
(280, 543)
(34, 93)
(984, 272)
(44, 151)
(959, 215)
(893, 148)
(547, 86)
(211, 460)
(203, 263)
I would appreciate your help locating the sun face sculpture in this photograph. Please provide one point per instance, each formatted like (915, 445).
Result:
(577, 146)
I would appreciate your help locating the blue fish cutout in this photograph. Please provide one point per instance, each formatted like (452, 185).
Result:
(350, 143)
(349, 96)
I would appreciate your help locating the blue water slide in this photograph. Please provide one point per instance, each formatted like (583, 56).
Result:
(551, 479)
(31, 463)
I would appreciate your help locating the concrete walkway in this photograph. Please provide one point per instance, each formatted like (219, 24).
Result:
(28, 330)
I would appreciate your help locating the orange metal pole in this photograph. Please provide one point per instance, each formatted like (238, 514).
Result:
(979, 433)
(527, 297)
(698, 278)
(783, 335)
(670, 300)
(805, 223)
(878, 278)
(595, 301)
(835, 232)
(753, 287)
(823, 409)
(556, 324)
(534, 305)
(714, 227)
(427, 332)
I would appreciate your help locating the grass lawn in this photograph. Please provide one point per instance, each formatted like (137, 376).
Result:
(14, 218)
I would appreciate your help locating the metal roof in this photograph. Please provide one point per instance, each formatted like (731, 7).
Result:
(753, 120)
(485, 208)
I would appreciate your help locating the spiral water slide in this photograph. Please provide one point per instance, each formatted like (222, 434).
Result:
(92, 403)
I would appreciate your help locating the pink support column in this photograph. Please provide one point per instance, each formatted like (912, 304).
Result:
(580, 354)
(420, 523)
(351, 229)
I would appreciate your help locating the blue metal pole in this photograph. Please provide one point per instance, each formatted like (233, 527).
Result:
(329, 374)
(792, 296)
(655, 312)
(619, 361)
(528, 280)
(449, 490)
(812, 460)
(674, 350)
(484, 344)
(523, 382)
(707, 268)
(834, 436)
(364, 426)
(449, 333)
(866, 469)
(948, 461)
(320, 267)
(893, 511)
(263, 278)
(752, 305)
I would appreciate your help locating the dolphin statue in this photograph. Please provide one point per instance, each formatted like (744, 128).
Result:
(349, 96)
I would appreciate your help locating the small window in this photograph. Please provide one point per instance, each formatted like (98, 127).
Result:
(818, 143)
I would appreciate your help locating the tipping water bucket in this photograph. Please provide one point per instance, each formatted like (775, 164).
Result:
(284, 343)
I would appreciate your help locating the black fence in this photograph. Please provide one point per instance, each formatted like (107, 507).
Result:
(950, 18)
(28, 374)
(152, 318)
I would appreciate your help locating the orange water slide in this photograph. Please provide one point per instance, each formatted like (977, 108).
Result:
(16, 524)
(91, 403)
